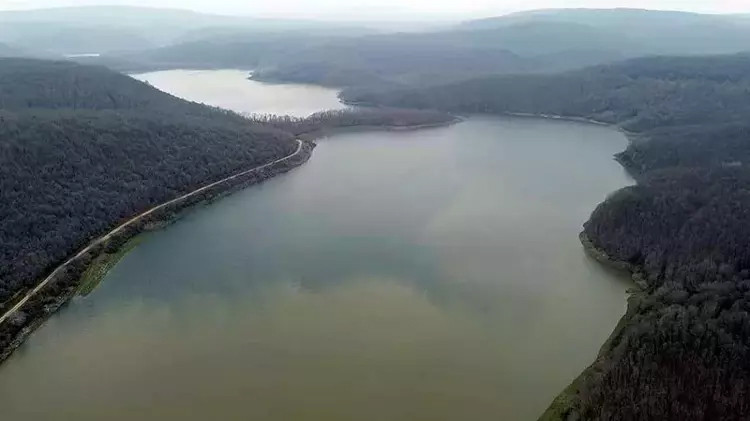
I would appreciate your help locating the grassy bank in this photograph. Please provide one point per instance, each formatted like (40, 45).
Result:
(99, 267)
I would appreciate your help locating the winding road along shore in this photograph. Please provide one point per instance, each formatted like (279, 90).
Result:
(131, 221)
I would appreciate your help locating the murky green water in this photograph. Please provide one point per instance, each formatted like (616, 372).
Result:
(429, 275)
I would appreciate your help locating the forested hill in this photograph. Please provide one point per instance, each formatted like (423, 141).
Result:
(683, 350)
(83, 148)
(639, 94)
(667, 98)
(31, 83)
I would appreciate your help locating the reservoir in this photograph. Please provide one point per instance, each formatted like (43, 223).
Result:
(424, 275)
(231, 90)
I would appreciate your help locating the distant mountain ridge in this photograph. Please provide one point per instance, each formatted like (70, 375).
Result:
(102, 29)
(621, 16)
(654, 31)
(528, 42)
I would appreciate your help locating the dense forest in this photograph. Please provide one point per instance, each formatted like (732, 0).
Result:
(68, 176)
(683, 348)
(692, 109)
(392, 60)
(82, 148)
(40, 84)
(373, 60)
(322, 122)
(683, 352)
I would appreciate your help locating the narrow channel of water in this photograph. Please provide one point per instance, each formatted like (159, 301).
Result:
(432, 275)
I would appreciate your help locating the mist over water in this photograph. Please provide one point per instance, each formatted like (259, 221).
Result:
(433, 274)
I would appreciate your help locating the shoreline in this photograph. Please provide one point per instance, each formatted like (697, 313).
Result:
(636, 272)
(631, 135)
(563, 405)
(102, 264)
(104, 252)
(561, 118)
(67, 279)
(507, 114)
(560, 406)
(322, 133)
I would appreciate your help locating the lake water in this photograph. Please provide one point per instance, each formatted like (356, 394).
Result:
(427, 275)
(232, 90)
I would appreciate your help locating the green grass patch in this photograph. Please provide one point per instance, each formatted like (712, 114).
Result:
(99, 267)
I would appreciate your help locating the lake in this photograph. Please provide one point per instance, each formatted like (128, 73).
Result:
(231, 89)
(425, 275)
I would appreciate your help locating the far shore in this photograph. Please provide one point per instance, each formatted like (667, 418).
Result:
(317, 134)
(543, 116)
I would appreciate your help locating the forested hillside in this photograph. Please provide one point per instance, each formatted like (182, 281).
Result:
(693, 108)
(336, 61)
(36, 84)
(389, 59)
(683, 348)
(368, 118)
(382, 60)
(82, 148)
(683, 351)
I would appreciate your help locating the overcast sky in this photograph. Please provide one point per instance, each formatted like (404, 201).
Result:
(389, 9)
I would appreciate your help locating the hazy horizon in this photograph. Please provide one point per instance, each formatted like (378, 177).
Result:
(363, 10)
